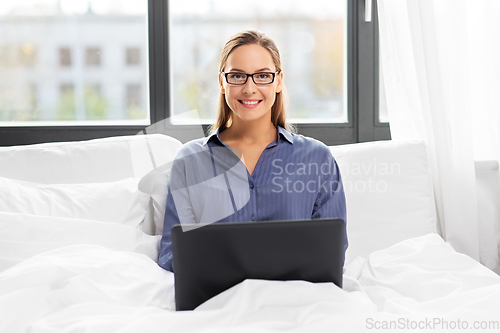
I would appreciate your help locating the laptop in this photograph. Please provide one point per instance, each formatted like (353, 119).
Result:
(215, 257)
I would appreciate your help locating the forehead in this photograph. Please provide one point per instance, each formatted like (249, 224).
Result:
(250, 58)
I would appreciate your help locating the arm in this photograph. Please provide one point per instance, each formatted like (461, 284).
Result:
(177, 181)
(330, 201)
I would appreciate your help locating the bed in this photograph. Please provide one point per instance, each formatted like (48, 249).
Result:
(80, 231)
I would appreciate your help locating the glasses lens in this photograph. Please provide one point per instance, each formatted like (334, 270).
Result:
(236, 78)
(263, 78)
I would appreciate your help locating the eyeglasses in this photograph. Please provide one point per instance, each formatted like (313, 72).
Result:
(258, 78)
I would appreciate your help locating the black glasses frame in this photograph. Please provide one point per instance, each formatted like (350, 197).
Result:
(250, 75)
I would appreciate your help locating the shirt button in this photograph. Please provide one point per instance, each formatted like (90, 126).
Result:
(253, 217)
(251, 186)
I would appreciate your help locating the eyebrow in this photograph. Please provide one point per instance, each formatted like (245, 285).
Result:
(257, 71)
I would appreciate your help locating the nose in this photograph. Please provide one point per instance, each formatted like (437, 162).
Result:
(249, 87)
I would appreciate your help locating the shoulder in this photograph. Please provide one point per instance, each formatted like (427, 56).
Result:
(192, 147)
(310, 145)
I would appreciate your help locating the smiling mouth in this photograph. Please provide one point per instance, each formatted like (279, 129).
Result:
(250, 102)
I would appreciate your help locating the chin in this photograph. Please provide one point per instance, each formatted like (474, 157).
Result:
(251, 117)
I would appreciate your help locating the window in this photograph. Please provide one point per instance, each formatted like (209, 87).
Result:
(73, 54)
(329, 51)
(310, 36)
(133, 56)
(93, 56)
(26, 55)
(66, 109)
(32, 96)
(383, 114)
(97, 106)
(134, 101)
(4, 55)
(65, 57)
(370, 124)
(130, 50)
(20, 104)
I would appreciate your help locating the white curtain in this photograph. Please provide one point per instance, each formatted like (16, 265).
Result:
(441, 65)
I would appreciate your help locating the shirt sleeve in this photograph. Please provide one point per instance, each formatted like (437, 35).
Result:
(330, 201)
(177, 181)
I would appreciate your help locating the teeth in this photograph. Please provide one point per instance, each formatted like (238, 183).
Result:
(250, 102)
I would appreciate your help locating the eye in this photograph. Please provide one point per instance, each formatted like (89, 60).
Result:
(236, 76)
(264, 76)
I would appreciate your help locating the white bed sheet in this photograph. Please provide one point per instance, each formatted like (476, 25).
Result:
(100, 287)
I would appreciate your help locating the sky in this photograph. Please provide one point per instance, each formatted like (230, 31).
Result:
(316, 8)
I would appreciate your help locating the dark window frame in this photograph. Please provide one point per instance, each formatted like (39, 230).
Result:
(362, 88)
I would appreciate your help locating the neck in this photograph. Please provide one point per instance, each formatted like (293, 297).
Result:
(252, 132)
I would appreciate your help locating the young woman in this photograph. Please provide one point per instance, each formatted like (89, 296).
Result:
(252, 167)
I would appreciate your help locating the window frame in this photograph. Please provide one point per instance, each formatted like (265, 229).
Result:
(362, 90)
(369, 127)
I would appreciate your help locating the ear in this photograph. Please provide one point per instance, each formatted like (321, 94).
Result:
(221, 86)
(280, 83)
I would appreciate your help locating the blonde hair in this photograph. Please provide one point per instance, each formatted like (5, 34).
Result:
(248, 37)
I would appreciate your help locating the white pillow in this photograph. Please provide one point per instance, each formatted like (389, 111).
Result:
(93, 161)
(155, 183)
(118, 202)
(29, 235)
(389, 194)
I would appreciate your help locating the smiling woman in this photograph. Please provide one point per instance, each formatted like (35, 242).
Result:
(228, 176)
(250, 111)
(241, 94)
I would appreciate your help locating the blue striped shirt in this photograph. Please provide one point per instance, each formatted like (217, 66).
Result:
(295, 178)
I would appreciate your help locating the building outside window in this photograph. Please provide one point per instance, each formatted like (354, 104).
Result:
(73, 52)
(96, 106)
(134, 100)
(93, 56)
(62, 47)
(4, 55)
(27, 55)
(65, 57)
(66, 109)
(133, 56)
(329, 52)
(311, 36)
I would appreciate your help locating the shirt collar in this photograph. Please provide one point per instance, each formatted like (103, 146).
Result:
(285, 134)
(281, 132)
(211, 136)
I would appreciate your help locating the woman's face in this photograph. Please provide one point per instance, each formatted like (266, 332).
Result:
(250, 101)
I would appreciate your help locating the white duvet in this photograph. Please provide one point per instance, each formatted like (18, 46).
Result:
(68, 275)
